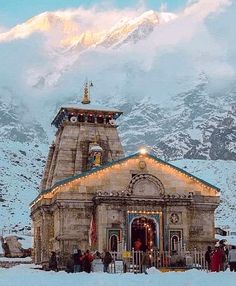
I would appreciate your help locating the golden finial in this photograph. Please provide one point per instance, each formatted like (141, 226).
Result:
(86, 95)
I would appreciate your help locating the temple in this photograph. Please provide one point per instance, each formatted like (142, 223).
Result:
(92, 196)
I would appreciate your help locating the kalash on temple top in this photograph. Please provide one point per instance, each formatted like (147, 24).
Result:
(86, 112)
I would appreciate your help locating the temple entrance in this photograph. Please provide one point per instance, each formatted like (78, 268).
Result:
(143, 233)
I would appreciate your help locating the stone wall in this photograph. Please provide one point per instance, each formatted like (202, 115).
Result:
(187, 207)
(69, 154)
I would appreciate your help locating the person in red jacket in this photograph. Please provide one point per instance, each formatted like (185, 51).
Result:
(87, 259)
(218, 259)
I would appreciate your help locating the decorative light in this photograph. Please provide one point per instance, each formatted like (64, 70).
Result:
(143, 151)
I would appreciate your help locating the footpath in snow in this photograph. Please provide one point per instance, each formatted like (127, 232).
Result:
(26, 275)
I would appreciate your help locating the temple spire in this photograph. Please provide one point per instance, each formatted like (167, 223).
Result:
(86, 95)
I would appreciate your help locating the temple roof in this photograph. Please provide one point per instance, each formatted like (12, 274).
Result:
(92, 107)
(102, 167)
(86, 108)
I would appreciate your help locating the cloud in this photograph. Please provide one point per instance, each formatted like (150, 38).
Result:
(203, 8)
(193, 36)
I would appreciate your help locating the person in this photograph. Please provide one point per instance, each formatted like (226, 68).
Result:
(77, 257)
(232, 258)
(137, 245)
(97, 265)
(107, 259)
(208, 257)
(53, 261)
(223, 258)
(218, 259)
(224, 254)
(70, 264)
(87, 259)
(146, 261)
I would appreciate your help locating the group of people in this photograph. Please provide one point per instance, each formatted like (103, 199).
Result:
(78, 262)
(220, 257)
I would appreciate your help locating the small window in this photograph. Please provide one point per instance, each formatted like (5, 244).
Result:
(81, 118)
(175, 241)
(100, 119)
(113, 243)
(91, 118)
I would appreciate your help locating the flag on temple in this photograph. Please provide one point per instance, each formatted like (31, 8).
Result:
(92, 231)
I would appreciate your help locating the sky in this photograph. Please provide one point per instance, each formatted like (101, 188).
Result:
(13, 12)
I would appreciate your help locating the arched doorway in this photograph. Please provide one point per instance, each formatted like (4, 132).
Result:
(144, 230)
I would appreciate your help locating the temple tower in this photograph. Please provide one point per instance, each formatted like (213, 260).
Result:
(86, 137)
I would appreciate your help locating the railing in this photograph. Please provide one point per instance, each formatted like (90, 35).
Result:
(164, 260)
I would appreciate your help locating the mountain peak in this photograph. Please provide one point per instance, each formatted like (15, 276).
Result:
(47, 22)
(50, 23)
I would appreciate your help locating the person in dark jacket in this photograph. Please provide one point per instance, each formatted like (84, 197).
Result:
(53, 262)
(77, 257)
(232, 259)
(208, 257)
(87, 259)
(107, 259)
(70, 264)
(146, 261)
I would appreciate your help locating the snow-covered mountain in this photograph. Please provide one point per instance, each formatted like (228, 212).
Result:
(72, 35)
(173, 75)
(44, 23)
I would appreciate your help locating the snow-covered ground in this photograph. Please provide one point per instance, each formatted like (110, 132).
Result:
(16, 259)
(26, 275)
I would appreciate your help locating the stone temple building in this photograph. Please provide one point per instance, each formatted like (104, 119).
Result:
(93, 196)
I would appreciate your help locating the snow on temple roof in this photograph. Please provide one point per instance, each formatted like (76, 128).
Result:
(92, 107)
(69, 179)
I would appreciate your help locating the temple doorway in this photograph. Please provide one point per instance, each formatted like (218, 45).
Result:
(143, 233)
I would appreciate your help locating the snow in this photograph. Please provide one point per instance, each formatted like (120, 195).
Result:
(20, 170)
(92, 107)
(16, 259)
(26, 275)
(221, 174)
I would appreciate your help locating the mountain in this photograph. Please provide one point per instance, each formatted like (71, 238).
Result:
(65, 26)
(20, 174)
(222, 174)
(199, 126)
(44, 23)
(175, 88)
